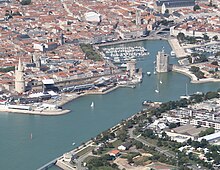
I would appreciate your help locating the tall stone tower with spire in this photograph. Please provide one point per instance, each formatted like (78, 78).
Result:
(19, 78)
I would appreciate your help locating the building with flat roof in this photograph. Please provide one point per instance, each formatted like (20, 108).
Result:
(183, 133)
(211, 138)
(206, 123)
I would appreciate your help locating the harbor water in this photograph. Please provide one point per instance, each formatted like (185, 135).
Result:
(29, 141)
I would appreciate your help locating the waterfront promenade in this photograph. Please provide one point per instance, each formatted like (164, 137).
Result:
(179, 51)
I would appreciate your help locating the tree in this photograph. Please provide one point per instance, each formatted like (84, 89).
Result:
(159, 143)
(172, 125)
(215, 38)
(204, 143)
(211, 95)
(130, 160)
(139, 145)
(189, 141)
(194, 69)
(196, 7)
(197, 98)
(215, 63)
(25, 2)
(149, 133)
(206, 132)
(199, 74)
(205, 37)
(167, 11)
(122, 135)
(181, 36)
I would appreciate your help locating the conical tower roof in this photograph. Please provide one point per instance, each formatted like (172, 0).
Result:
(20, 67)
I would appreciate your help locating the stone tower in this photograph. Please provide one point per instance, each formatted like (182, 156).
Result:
(138, 17)
(131, 67)
(162, 62)
(19, 78)
(36, 60)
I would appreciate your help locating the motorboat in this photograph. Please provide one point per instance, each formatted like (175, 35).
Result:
(148, 73)
(172, 53)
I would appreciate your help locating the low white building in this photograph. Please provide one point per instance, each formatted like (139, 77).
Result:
(211, 138)
(92, 17)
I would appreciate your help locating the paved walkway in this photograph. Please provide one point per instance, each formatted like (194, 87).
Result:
(179, 51)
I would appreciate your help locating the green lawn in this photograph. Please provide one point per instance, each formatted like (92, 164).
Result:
(87, 149)
(117, 143)
(105, 168)
(88, 158)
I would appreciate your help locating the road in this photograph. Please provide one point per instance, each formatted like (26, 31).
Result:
(165, 152)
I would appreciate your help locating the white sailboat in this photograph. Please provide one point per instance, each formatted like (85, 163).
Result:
(157, 90)
(186, 95)
(92, 105)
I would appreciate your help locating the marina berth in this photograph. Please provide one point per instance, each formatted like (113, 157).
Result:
(121, 54)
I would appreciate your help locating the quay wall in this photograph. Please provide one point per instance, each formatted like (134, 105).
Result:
(35, 112)
(193, 78)
(131, 40)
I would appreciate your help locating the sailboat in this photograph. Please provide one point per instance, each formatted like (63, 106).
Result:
(92, 105)
(186, 96)
(157, 90)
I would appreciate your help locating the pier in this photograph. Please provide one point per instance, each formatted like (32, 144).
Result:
(49, 164)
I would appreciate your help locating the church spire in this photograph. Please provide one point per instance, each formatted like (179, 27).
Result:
(20, 67)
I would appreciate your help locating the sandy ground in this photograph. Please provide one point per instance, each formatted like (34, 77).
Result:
(122, 163)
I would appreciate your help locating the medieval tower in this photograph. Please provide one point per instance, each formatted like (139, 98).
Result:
(19, 78)
(162, 62)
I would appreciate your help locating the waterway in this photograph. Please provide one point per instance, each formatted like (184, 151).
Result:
(53, 136)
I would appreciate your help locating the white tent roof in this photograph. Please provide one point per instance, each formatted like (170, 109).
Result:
(48, 81)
